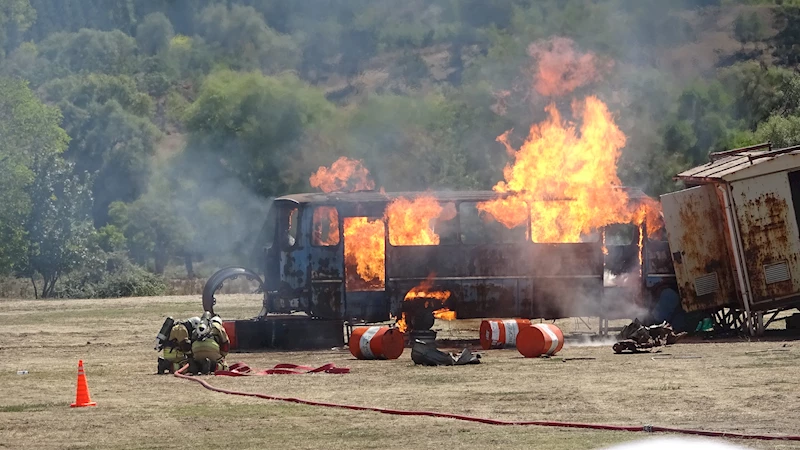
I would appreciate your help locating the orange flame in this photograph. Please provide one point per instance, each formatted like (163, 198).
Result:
(556, 162)
(425, 290)
(401, 323)
(344, 175)
(444, 314)
(641, 250)
(565, 176)
(560, 68)
(411, 221)
(364, 250)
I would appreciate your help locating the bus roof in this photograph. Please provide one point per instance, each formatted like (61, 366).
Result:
(442, 196)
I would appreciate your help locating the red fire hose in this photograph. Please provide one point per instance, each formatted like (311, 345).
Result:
(542, 423)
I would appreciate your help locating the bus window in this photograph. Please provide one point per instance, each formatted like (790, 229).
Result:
(326, 226)
(289, 224)
(479, 227)
(621, 234)
(267, 235)
(442, 229)
(446, 226)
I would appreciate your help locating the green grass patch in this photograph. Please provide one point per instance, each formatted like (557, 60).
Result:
(29, 407)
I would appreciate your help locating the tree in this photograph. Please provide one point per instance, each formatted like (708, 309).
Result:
(787, 20)
(151, 228)
(781, 131)
(242, 39)
(247, 121)
(748, 28)
(112, 135)
(58, 227)
(16, 16)
(758, 91)
(154, 33)
(28, 130)
(88, 51)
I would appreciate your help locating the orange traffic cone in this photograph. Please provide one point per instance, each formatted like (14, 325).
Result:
(82, 395)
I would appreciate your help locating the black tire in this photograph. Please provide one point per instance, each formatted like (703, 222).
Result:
(216, 281)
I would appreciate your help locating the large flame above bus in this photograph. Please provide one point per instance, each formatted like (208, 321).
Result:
(562, 160)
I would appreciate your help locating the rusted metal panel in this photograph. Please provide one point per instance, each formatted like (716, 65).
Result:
(496, 297)
(743, 163)
(502, 280)
(658, 258)
(565, 260)
(769, 235)
(420, 261)
(326, 261)
(370, 306)
(694, 221)
(523, 259)
(766, 163)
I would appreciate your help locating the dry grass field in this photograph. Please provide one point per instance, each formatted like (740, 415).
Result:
(745, 387)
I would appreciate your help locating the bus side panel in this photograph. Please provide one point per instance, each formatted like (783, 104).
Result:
(502, 280)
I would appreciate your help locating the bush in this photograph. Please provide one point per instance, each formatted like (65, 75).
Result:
(137, 282)
(118, 277)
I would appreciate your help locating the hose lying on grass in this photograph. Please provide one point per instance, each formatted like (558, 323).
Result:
(542, 423)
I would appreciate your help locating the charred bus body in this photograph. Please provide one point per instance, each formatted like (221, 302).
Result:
(338, 256)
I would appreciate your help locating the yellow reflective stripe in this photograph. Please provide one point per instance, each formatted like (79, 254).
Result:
(172, 354)
(205, 345)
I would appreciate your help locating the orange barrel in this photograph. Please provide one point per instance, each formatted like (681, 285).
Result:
(540, 339)
(230, 330)
(501, 333)
(376, 343)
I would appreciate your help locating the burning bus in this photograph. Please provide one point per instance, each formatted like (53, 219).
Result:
(557, 237)
(411, 257)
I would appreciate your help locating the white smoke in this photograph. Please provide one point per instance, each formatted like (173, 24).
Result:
(585, 341)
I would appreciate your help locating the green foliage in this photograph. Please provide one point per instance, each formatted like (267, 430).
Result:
(176, 108)
(782, 131)
(151, 227)
(154, 34)
(58, 226)
(24, 62)
(88, 51)
(787, 21)
(248, 120)
(114, 277)
(29, 131)
(422, 90)
(701, 122)
(16, 16)
(83, 91)
(110, 239)
(112, 135)
(243, 40)
(748, 28)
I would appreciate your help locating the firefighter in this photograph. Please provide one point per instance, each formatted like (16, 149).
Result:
(175, 341)
(210, 346)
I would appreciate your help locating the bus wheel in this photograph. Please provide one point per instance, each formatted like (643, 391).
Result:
(218, 279)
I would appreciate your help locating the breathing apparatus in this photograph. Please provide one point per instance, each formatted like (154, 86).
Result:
(161, 337)
(202, 330)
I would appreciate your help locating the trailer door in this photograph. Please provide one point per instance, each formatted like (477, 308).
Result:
(695, 223)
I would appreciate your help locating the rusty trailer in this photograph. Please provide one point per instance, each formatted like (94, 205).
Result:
(734, 234)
